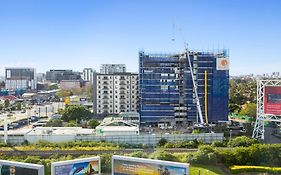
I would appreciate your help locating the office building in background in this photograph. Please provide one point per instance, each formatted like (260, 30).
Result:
(18, 78)
(56, 75)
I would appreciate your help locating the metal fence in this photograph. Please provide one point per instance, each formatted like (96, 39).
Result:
(154, 139)
(145, 139)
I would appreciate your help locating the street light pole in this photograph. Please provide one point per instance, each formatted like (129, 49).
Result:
(5, 129)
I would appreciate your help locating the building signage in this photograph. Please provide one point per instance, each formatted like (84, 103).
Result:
(222, 64)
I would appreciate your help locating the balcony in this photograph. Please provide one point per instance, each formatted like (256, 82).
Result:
(105, 107)
(122, 97)
(105, 97)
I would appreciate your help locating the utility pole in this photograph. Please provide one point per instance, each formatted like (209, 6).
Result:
(5, 129)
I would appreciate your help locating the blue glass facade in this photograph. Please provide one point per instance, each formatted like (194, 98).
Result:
(166, 88)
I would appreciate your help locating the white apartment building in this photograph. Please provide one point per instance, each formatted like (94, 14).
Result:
(115, 93)
(88, 75)
(112, 68)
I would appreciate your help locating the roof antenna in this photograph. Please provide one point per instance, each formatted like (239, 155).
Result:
(173, 37)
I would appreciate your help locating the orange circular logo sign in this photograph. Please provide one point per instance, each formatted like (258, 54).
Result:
(224, 62)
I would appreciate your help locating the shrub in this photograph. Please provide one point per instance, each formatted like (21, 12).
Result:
(139, 154)
(106, 163)
(242, 141)
(205, 155)
(218, 144)
(261, 169)
(163, 155)
(162, 142)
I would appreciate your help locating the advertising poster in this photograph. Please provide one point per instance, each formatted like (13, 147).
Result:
(77, 167)
(272, 100)
(136, 166)
(18, 168)
(13, 170)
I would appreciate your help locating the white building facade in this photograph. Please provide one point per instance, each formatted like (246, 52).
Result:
(88, 75)
(115, 93)
(112, 68)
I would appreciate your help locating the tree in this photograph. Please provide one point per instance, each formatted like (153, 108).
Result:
(52, 87)
(64, 93)
(242, 141)
(162, 142)
(76, 113)
(242, 91)
(249, 109)
(92, 123)
(6, 103)
(19, 105)
(54, 123)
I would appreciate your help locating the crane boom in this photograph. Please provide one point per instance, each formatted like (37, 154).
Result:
(194, 85)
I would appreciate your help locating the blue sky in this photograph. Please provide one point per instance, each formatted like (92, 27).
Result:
(48, 34)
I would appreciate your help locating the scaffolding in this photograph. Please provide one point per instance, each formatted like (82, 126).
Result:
(261, 115)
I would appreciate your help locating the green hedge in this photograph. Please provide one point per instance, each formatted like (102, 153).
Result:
(259, 169)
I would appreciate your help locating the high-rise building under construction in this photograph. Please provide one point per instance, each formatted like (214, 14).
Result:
(166, 87)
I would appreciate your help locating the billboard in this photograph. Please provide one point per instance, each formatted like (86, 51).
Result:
(122, 165)
(86, 166)
(272, 100)
(18, 168)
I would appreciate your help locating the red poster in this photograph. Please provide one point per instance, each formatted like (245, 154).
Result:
(272, 100)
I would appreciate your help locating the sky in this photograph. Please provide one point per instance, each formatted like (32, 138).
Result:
(74, 34)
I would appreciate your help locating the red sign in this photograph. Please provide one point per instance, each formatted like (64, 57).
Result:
(272, 100)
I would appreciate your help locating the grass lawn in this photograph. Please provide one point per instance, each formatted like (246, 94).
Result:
(205, 170)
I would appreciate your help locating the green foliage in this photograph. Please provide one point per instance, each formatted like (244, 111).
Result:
(139, 154)
(76, 112)
(242, 141)
(258, 169)
(64, 93)
(54, 123)
(106, 163)
(52, 87)
(183, 144)
(163, 155)
(257, 154)
(162, 142)
(205, 155)
(6, 103)
(71, 123)
(18, 106)
(196, 131)
(92, 123)
(205, 170)
(241, 91)
(218, 144)
(249, 109)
